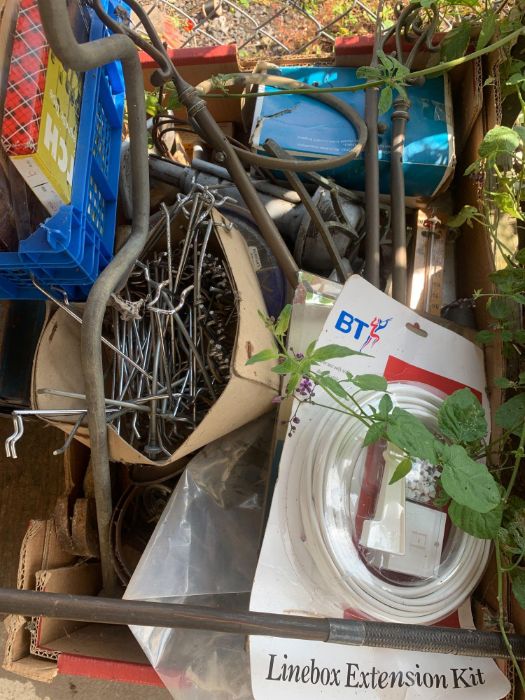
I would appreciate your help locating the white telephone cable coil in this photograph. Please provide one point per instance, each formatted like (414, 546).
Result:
(322, 495)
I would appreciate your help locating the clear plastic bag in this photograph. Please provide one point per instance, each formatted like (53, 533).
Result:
(204, 552)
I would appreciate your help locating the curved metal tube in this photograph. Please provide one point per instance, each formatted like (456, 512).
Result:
(83, 57)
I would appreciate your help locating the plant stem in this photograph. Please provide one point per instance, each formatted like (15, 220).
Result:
(349, 411)
(501, 617)
(424, 73)
(517, 461)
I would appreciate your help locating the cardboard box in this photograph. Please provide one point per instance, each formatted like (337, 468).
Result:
(247, 395)
(308, 129)
(42, 107)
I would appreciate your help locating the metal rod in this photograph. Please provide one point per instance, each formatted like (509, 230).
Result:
(399, 224)
(69, 311)
(372, 248)
(369, 633)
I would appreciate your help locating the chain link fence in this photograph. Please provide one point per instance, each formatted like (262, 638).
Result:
(265, 28)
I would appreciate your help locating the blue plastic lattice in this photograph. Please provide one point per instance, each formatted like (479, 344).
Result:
(72, 247)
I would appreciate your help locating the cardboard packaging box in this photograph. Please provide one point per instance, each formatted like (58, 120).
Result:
(42, 107)
(307, 128)
(247, 395)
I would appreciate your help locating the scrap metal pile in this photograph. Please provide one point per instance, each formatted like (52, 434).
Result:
(176, 320)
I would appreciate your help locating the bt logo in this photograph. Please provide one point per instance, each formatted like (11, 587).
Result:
(346, 323)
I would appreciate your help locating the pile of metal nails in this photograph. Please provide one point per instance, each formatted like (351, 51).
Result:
(176, 318)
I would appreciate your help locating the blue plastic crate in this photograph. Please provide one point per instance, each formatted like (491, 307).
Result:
(71, 248)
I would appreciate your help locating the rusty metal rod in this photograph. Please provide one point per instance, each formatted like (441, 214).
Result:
(111, 611)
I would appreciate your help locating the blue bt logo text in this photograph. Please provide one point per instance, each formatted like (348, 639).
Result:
(347, 323)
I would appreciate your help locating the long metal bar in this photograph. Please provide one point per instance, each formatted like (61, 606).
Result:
(372, 247)
(397, 184)
(112, 611)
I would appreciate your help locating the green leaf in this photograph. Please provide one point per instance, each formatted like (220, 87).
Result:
(511, 414)
(385, 406)
(499, 307)
(263, 356)
(463, 216)
(401, 71)
(330, 352)
(510, 280)
(310, 349)
(403, 468)
(292, 383)
(517, 577)
(472, 168)
(283, 321)
(333, 386)
(375, 432)
(408, 432)
(387, 61)
(370, 382)
(515, 79)
(503, 383)
(500, 139)
(462, 418)
(286, 367)
(484, 337)
(456, 42)
(488, 27)
(385, 100)
(520, 130)
(507, 204)
(468, 482)
(519, 336)
(368, 73)
(152, 104)
(485, 526)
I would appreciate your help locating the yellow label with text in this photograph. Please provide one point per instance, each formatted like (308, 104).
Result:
(59, 120)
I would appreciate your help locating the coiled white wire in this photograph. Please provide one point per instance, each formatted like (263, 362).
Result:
(322, 495)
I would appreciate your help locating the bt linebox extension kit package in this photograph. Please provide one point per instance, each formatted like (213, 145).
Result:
(342, 542)
(42, 107)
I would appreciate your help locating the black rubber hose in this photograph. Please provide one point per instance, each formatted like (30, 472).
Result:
(348, 632)
(83, 57)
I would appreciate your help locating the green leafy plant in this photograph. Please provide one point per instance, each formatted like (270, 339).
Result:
(392, 74)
